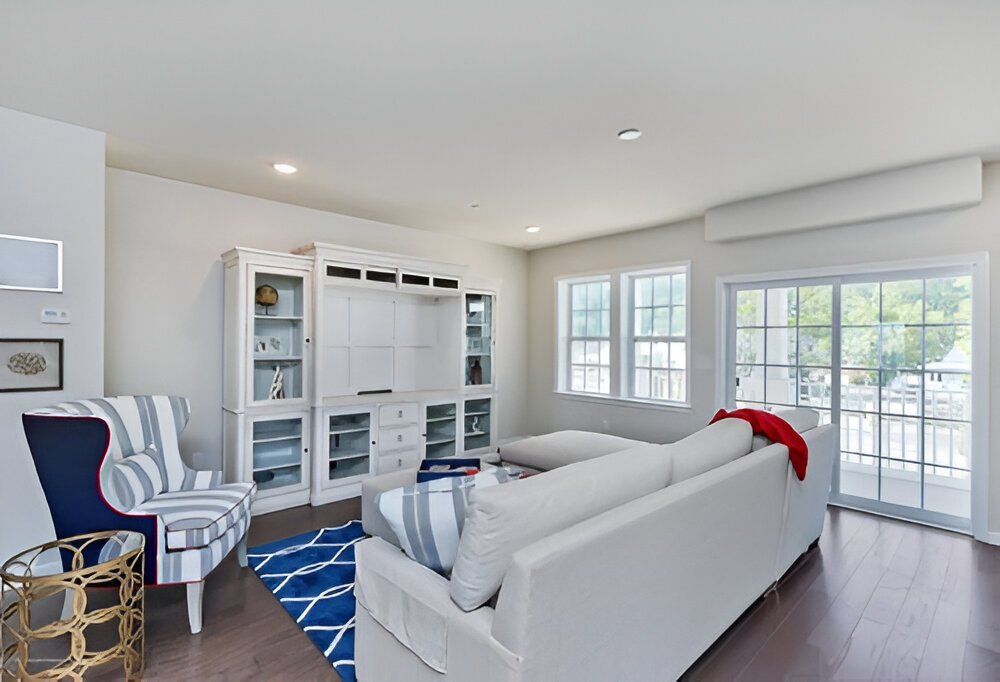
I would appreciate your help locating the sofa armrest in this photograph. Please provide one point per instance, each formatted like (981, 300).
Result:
(411, 602)
(372, 520)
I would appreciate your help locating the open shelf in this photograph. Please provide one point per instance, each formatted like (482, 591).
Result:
(268, 479)
(349, 467)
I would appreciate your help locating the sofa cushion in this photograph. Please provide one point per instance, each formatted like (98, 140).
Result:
(428, 517)
(196, 519)
(554, 450)
(133, 480)
(500, 521)
(711, 447)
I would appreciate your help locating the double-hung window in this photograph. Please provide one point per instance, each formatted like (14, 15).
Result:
(623, 334)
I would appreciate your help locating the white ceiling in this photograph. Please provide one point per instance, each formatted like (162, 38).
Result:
(408, 112)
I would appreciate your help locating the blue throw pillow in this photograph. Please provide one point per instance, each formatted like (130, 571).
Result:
(428, 517)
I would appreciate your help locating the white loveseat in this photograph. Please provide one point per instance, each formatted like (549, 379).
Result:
(625, 566)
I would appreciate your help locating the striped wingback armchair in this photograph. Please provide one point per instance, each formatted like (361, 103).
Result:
(114, 463)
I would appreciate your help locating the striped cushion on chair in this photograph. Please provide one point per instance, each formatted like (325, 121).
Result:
(194, 519)
(134, 480)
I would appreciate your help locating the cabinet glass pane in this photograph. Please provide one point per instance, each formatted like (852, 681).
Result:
(477, 423)
(278, 324)
(350, 437)
(277, 444)
(440, 435)
(277, 478)
(345, 468)
(478, 339)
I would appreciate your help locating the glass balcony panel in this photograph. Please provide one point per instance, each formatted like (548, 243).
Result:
(903, 302)
(900, 439)
(902, 347)
(814, 387)
(859, 433)
(780, 385)
(859, 347)
(859, 303)
(859, 390)
(750, 383)
(815, 344)
(750, 308)
(816, 305)
(949, 299)
(782, 307)
(781, 344)
(948, 396)
(948, 444)
(901, 393)
(750, 346)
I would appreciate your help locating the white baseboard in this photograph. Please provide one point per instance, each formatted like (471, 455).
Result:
(991, 538)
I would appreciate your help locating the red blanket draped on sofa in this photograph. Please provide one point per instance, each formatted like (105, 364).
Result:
(778, 430)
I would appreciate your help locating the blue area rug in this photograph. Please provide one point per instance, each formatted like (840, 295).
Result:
(312, 575)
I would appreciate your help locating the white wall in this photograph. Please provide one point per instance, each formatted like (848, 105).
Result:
(51, 186)
(953, 232)
(164, 289)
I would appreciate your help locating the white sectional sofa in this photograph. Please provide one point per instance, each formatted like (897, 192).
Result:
(623, 566)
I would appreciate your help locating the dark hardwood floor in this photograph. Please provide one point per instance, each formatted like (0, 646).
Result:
(879, 599)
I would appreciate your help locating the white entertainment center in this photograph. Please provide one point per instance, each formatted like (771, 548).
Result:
(341, 363)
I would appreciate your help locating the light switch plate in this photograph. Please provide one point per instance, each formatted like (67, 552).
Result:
(55, 316)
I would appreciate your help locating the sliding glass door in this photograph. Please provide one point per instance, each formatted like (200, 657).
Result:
(887, 357)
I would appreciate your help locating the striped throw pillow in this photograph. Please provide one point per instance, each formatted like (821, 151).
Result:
(134, 480)
(428, 517)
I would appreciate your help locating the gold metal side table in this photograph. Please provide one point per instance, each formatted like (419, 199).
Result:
(37, 642)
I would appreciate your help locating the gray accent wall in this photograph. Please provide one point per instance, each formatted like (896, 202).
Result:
(964, 231)
(52, 187)
(165, 303)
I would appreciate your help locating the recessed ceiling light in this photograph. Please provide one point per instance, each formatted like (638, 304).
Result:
(532, 228)
(285, 168)
(630, 134)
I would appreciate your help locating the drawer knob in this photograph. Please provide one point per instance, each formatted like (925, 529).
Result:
(399, 414)
(399, 438)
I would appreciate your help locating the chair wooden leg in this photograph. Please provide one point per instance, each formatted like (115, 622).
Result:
(194, 592)
(241, 550)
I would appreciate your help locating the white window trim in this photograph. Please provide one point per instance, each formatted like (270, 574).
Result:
(979, 262)
(621, 333)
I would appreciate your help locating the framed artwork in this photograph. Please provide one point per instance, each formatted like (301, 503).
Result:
(30, 264)
(31, 365)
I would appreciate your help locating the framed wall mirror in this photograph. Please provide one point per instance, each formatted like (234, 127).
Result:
(30, 264)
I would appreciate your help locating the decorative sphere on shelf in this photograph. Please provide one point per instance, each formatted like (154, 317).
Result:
(265, 296)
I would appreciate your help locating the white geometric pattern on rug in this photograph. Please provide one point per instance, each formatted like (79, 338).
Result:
(312, 575)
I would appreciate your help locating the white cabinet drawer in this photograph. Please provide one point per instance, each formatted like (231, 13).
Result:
(398, 413)
(403, 459)
(397, 438)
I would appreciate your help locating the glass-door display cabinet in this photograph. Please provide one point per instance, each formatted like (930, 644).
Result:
(478, 339)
